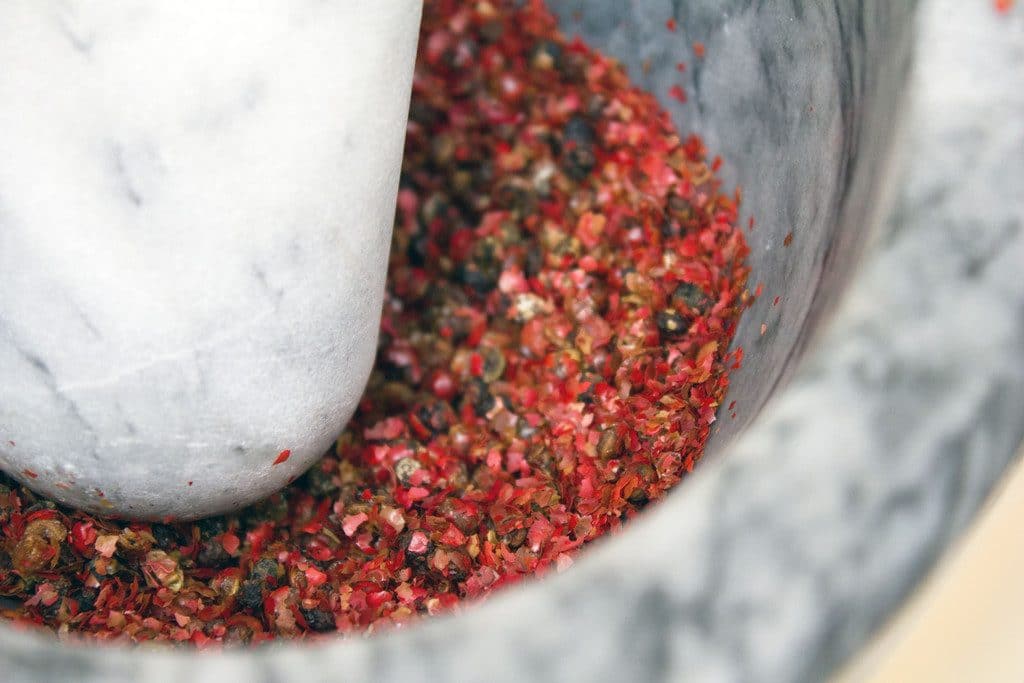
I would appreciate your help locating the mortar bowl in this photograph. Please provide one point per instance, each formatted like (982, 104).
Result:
(801, 101)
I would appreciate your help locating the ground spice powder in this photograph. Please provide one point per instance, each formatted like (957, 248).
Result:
(566, 277)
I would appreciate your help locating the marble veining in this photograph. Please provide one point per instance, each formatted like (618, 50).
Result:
(195, 211)
(777, 560)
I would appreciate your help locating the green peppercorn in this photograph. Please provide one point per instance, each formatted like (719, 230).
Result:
(515, 538)
(494, 364)
(689, 296)
(405, 468)
(38, 549)
(608, 444)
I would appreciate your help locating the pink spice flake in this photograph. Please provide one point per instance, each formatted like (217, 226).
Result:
(351, 523)
(540, 533)
(385, 430)
(106, 545)
(418, 543)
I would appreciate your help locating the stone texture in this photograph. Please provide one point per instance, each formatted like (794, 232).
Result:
(195, 213)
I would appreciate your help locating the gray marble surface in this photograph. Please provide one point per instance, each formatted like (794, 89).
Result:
(778, 560)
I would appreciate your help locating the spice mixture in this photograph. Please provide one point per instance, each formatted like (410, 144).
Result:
(565, 279)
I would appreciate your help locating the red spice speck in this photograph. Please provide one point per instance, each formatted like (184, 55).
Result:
(315, 577)
(83, 536)
(681, 67)
(776, 300)
(788, 240)
(442, 385)
(671, 25)
(351, 523)
(677, 93)
(1004, 6)
(230, 542)
(30, 474)
(698, 50)
(190, 483)
(283, 456)
(476, 365)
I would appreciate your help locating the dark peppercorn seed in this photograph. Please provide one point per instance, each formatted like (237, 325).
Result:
(265, 569)
(250, 595)
(213, 526)
(609, 443)
(516, 538)
(212, 554)
(86, 599)
(671, 323)
(319, 620)
(688, 295)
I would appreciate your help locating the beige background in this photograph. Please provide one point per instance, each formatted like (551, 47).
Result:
(967, 621)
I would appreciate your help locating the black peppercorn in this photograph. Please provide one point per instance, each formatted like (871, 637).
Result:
(671, 323)
(250, 595)
(265, 569)
(212, 526)
(578, 147)
(212, 554)
(86, 599)
(319, 620)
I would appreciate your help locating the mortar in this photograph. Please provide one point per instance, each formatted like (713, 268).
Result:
(801, 100)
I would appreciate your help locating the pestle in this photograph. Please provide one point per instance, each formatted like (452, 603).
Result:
(195, 216)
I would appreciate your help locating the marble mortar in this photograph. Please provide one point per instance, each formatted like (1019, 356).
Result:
(195, 217)
(804, 529)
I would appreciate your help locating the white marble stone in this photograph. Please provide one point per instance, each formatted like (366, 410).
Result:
(195, 211)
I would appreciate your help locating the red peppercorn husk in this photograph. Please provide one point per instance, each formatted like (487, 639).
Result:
(566, 278)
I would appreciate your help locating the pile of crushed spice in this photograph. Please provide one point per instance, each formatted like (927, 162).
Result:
(565, 280)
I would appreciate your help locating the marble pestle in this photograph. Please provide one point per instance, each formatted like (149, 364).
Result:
(195, 214)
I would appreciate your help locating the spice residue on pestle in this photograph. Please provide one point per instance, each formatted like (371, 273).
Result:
(566, 277)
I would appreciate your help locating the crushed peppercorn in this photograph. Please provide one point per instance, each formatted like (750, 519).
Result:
(566, 277)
